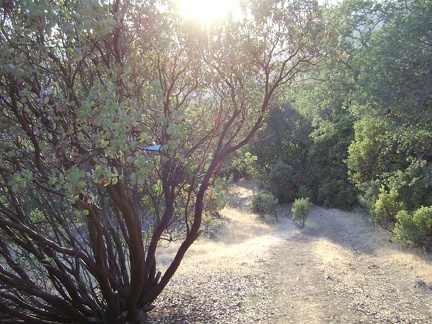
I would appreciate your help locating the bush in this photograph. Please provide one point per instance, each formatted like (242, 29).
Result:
(413, 185)
(303, 192)
(282, 182)
(264, 203)
(325, 163)
(245, 166)
(300, 209)
(415, 227)
(337, 194)
(385, 208)
(215, 199)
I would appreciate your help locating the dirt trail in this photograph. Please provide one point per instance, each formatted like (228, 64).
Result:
(338, 269)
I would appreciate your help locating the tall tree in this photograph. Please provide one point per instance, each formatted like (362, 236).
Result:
(285, 138)
(393, 97)
(390, 157)
(313, 131)
(85, 88)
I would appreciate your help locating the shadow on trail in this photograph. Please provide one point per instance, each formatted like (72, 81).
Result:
(352, 231)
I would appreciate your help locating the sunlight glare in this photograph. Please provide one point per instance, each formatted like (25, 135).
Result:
(205, 10)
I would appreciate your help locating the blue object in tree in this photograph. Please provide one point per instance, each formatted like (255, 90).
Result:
(153, 148)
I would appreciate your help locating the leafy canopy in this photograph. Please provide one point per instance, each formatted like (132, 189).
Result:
(85, 86)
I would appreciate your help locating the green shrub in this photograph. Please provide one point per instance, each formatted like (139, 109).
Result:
(386, 207)
(300, 210)
(413, 185)
(303, 192)
(245, 166)
(415, 227)
(214, 202)
(264, 203)
(282, 182)
(215, 199)
(405, 230)
(337, 194)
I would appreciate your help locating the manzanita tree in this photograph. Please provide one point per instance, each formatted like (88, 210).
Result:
(85, 87)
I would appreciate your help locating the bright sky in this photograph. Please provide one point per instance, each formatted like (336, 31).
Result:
(209, 10)
(329, 1)
(206, 10)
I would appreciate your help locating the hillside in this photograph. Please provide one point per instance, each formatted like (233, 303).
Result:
(338, 269)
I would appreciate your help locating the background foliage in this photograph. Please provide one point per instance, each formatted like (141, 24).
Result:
(355, 130)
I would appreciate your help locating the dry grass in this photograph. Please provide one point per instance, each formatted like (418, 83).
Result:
(242, 239)
(338, 269)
